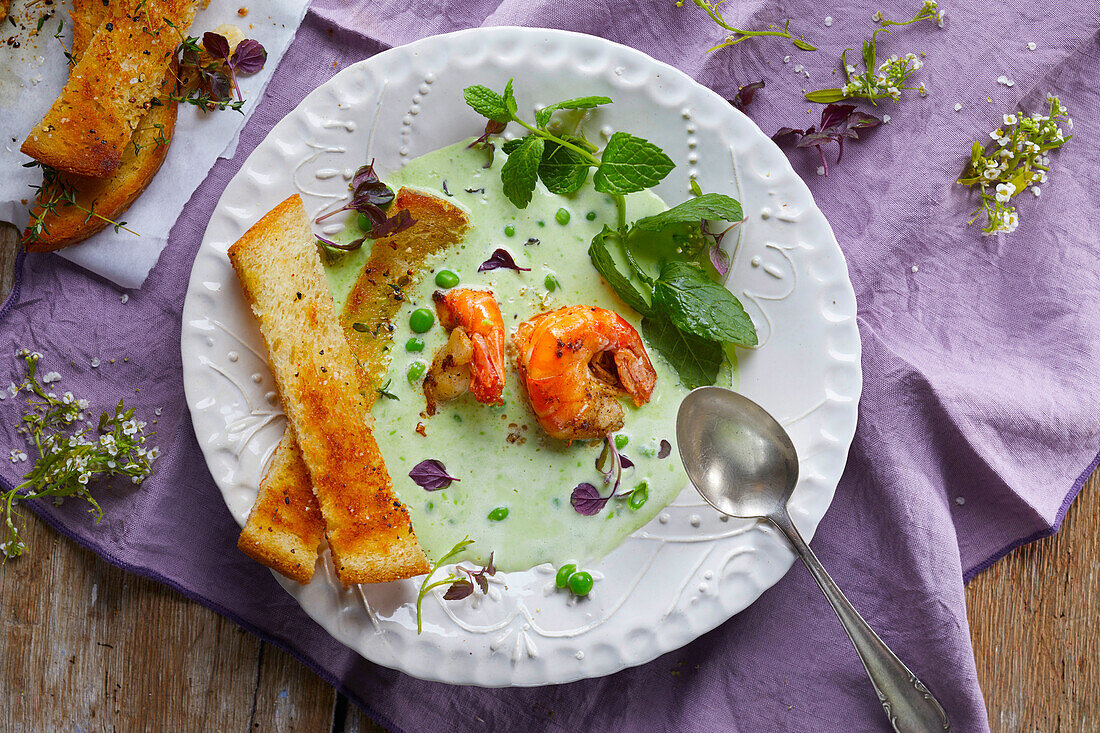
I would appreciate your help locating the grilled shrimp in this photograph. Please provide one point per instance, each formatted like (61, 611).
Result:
(473, 357)
(575, 362)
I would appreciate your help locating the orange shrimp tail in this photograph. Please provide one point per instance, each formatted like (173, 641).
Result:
(477, 312)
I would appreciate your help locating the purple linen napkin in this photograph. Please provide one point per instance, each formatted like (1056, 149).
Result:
(978, 424)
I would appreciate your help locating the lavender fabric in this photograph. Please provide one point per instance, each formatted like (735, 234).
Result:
(979, 419)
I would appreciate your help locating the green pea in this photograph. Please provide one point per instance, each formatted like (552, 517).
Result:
(509, 231)
(446, 279)
(639, 496)
(541, 223)
(416, 371)
(621, 441)
(562, 216)
(421, 320)
(563, 574)
(551, 282)
(365, 224)
(414, 344)
(499, 514)
(591, 216)
(580, 583)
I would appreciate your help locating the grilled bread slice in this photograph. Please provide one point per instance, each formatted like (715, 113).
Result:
(368, 529)
(395, 261)
(285, 526)
(110, 89)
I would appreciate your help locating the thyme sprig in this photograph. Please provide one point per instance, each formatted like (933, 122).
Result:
(54, 194)
(737, 35)
(1016, 161)
(71, 453)
(880, 81)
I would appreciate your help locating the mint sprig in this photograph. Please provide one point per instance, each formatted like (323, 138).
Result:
(626, 165)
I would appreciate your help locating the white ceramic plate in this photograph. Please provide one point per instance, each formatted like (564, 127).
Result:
(688, 570)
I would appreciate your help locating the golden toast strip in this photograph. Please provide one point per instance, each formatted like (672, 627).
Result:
(110, 89)
(368, 529)
(285, 526)
(397, 261)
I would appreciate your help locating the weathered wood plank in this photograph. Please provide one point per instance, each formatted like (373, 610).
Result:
(1033, 619)
(290, 697)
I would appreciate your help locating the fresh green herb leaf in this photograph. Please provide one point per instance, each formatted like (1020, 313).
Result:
(736, 35)
(826, 96)
(713, 206)
(542, 117)
(630, 164)
(695, 360)
(521, 171)
(604, 263)
(510, 99)
(563, 170)
(698, 305)
(487, 103)
(510, 145)
(425, 586)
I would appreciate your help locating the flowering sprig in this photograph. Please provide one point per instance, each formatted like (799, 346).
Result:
(736, 35)
(71, 453)
(460, 587)
(880, 81)
(1014, 162)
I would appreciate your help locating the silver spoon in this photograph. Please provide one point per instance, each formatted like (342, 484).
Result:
(744, 464)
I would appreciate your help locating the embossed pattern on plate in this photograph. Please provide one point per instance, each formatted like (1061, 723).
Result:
(690, 569)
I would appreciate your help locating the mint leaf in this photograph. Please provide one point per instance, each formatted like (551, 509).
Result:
(542, 117)
(509, 98)
(630, 164)
(605, 265)
(712, 206)
(486, 103)
(562, 170)
(521, 171)
(695, 360)
(698, 305)
(511, 145)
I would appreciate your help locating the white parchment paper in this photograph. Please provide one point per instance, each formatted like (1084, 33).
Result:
(33, 70)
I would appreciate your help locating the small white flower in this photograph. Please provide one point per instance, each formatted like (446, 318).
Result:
(821, 170)
(939, 18)
(13, 390)
(1037, 191)
(877, 17)
(786, 59)
(125, 297)
(1010, 119)
(917, 64)
(51, 377)
(1005, 191)
(886, 118)
(1011, 221)
(828, 20)
(95, 363)
(922, 90)
(798, 68)
(1031, 45)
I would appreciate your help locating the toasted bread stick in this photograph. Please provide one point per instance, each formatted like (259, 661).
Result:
(368, 529)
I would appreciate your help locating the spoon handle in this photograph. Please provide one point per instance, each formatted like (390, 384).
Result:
(907, 702)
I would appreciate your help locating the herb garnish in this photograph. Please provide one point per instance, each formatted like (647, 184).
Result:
(431, 475)
(838, 121)
(737, 35)
(55, 193)
(745, 94)
(215, 69)
(501, 259)
(1016, 162)
(371, 198)
(891, 77)
(561, 161)
(384, 390)
(586, 498)
(70, 453)
(465, 586)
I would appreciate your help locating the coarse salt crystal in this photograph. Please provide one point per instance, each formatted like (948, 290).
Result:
(886, 118)
(95, 363)
(828, 20)
(124, 298)
(960, 500)
(1031, 46)
(786, 59)
(821, 170)
(915, 268)
(798, 68)
(958, 106)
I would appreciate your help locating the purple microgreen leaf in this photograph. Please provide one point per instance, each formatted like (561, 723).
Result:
(666, 449)
(490, 568)
(835, 114)
(720, 259)
(586, 499)
(625, 462)
(783, 132)
(860, 119)
(216, 45)
(352, 245)
(482, 582)
(218, 84)
(366, 186)
(491, 128)
(445, 191)
(744, 95)
(396, 223)
(249, 57)
(500, 258)
(431, 475)
(459, 589)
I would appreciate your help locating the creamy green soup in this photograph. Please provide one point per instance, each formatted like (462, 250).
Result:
(512, 496)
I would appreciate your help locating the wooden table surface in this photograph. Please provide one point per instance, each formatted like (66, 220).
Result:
(118, 652)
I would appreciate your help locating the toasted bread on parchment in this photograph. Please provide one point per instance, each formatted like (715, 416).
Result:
(320, 386)
(110, 89)
(398, 261)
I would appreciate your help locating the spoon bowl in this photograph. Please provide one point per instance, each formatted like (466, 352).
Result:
(739, 458)
(744, 464)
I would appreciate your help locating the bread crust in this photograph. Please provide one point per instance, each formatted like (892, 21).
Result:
(367, 527)
(87, 128)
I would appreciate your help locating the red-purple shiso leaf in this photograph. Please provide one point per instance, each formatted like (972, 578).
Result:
(216, 45)
(744, 95)
(399, 221)
(586, 499)
(501, 259)
(431, 475)
(249, 57)
(459, 589)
